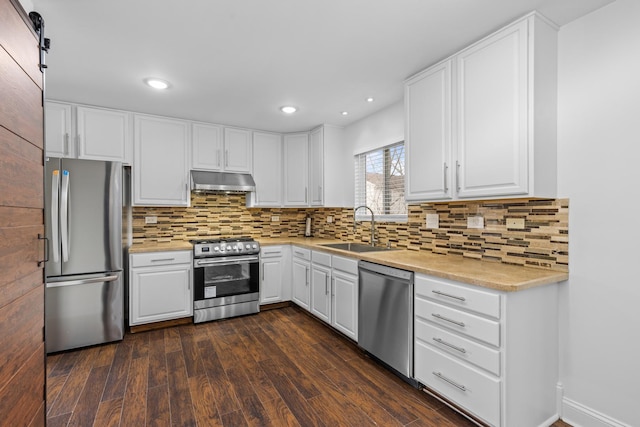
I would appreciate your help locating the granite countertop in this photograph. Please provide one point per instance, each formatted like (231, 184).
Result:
(487, 274)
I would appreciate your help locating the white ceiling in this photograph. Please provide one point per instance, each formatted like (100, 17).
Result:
(236, 62)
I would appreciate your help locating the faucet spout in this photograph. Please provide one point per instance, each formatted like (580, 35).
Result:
(373, 223)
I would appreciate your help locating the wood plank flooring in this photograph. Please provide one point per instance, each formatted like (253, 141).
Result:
(277, 368)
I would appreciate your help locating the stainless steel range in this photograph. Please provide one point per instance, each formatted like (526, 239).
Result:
(226, 278)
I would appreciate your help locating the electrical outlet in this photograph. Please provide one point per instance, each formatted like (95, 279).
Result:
(515, 223)
(150, 219)
(433, 221)
(329, 219)
(275, 218)
(475, 222)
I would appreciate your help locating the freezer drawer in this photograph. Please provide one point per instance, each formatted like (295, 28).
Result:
(83, 311)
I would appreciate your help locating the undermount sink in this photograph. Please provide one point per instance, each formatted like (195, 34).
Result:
(356, 247)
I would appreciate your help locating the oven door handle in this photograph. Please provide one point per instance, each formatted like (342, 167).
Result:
(227, 261)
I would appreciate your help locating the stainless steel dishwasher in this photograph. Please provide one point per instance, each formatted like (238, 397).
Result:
(385, 316)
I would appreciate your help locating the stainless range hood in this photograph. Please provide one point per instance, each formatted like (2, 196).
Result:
(225, 182)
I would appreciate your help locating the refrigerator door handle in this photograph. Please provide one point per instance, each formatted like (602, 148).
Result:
(64, 216)
(55, 232)
(82, 281)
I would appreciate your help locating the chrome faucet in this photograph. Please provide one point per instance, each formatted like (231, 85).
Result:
(373, 223)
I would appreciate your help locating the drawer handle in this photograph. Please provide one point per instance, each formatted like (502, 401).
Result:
(455, 322)
(450, 381)
(442, 294)
(455, 347)
(163, 259)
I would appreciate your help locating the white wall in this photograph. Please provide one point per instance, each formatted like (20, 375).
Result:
(599, 170)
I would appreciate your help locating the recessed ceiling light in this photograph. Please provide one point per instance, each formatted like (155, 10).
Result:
(369, 99)
(157, 83)
(288, 109)
(344, 113)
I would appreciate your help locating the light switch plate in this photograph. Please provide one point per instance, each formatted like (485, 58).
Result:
(433, 221)
(150, 219)
(329, 219)
(475, 222)
(275, 218)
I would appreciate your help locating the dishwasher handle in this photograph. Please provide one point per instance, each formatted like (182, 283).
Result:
(386, 271)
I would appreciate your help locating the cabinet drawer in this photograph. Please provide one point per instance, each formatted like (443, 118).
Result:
(347, 265)
(459, 321)
(477, 300)
(301, 253)
(458, 346)
(321, 258)
(271, 251)
(160, 258)
(471, 389)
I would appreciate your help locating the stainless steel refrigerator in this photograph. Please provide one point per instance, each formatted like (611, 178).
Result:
(84, 278)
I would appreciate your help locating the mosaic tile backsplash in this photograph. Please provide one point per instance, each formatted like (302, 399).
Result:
(543, 243)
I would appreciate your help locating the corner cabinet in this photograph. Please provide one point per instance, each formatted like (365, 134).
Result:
(316, 167)
(494, 354)
(160, 286)
(482, 123)
(267, 169)
(161, 162)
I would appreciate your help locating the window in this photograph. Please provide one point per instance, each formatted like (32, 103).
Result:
(380, 182)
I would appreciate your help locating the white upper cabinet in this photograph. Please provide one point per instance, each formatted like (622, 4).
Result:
(161, 162)
(238, 150)
(103, 134)
(316, 167)
(267, 169)
(221, 149)
(428, 134)
(296, 169)
(482, 123)
(58, 130)
(206, 147)
(78, 131)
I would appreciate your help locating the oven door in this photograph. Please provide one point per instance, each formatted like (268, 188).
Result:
(220, 278)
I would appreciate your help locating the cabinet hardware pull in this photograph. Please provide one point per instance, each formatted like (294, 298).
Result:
(442, 294)
(453, 383)
(455, 347)
(446, 186)
(218, 156)
(46, 249)
(457, 176)
(455, 322)
(326, 286)
(66, 144)
(226, 158)
(162, 259)
(307, 274)
(79, 146)
(306, 190)
(263, 272)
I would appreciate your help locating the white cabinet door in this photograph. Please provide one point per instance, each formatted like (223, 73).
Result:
(296, 169)
(492, 109)
(161, 165)
(238, 149)
(272, 280)
(267, 169)
(58, 130)
(103, 134)
(206, 147)
(160, 293)
(345, 304)
(300, 273)
(321, 292)
(428, 134)
(316, 167)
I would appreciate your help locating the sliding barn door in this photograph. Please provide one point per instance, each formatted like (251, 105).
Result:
(22, 356)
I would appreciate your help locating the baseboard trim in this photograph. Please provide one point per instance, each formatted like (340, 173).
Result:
(579, 415)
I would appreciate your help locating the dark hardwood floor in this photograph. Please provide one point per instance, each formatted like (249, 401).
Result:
(277, 368)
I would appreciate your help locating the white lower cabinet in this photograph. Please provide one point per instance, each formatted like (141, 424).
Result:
(160, 287)
(494, 354)
(275, 285)
(301, 276)
(321, 285)
(344, 301)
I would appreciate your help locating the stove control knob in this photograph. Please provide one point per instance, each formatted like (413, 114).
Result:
(248, 247)
(229, 247)
(255, 246)
(216, 249)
